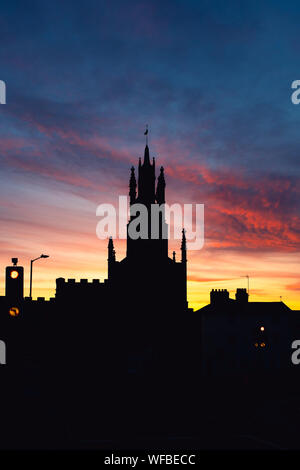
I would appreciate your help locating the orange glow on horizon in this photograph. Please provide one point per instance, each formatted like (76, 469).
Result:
(271, 278)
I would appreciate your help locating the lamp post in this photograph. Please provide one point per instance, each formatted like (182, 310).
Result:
(31, 263)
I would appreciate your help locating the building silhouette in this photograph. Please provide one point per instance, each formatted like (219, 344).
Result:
(128, 357)
(147, 278)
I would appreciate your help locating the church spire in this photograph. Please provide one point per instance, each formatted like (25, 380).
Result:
(146, 156)
(146, 179)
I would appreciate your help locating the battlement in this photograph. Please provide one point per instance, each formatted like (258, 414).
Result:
(82, 288)
(72, 282)
(39, 300)
(219, 290)
(219, 295)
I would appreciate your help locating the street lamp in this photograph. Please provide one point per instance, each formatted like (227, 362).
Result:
(31, 263)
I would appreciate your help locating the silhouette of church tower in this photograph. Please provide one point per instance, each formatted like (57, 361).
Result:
(147, 274)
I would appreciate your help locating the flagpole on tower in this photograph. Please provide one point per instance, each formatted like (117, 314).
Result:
(146, 134)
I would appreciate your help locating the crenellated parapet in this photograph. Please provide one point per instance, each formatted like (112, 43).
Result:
(219, 295)
(83, 288)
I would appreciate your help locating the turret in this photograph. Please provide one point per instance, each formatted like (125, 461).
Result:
(160, 190)
(184, 268)
(111, 257)
(183, 247)
(132, 187)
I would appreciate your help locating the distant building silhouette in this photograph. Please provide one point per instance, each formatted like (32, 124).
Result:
(241, 339)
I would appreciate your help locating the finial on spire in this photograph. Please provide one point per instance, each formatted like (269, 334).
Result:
(110, 243)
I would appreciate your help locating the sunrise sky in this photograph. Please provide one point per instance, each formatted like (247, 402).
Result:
(212, 79)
